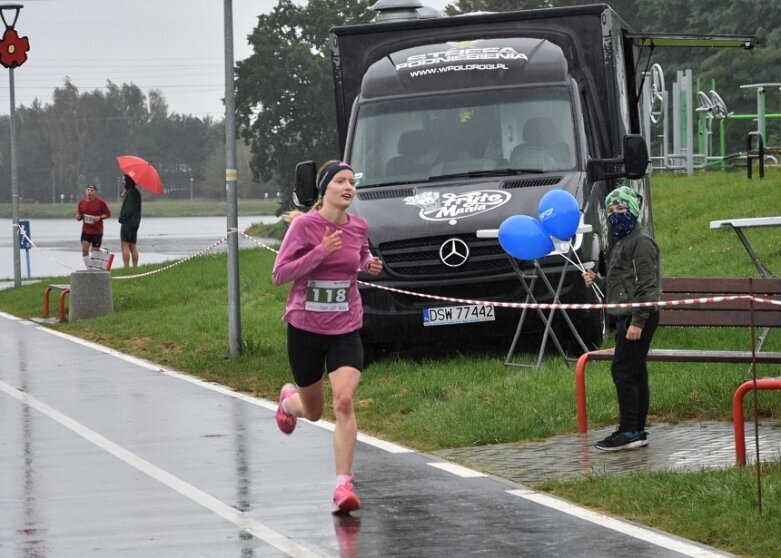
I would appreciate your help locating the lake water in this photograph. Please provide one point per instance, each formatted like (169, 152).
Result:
(58, 248)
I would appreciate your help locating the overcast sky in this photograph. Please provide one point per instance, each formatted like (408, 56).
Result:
(172, 45)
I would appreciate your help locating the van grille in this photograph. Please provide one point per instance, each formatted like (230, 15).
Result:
(420, 257)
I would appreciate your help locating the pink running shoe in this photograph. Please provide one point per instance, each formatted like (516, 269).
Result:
(285, 421)
(345, 499)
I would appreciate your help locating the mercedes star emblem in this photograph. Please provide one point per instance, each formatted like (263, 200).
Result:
(454, 252)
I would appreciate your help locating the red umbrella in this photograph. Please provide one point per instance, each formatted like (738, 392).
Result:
(142, 172)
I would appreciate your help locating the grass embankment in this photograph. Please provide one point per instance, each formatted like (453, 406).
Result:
(179, 319)
(153, 207)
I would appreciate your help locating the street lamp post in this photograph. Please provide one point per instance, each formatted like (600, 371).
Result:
(13, 53)
(231, 183)
(191, 188)
(14, 186)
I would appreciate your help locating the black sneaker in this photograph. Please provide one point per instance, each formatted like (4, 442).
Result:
(620, 441)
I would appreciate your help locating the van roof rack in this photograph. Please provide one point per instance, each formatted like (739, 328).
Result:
(672, 40)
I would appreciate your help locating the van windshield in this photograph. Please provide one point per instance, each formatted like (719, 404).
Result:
(501, 131)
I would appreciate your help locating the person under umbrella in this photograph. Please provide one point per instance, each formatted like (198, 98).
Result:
(130, 219)
(142, 172)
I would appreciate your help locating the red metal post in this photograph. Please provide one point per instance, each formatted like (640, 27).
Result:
(64, 293)
(46, 302)
(737, 413)
(580, 392)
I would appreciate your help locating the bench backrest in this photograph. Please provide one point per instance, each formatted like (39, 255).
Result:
(728, 313)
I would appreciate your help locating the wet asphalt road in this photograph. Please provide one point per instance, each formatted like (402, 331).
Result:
(105, 455)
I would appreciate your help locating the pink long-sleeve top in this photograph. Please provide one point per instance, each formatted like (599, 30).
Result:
(324, 297)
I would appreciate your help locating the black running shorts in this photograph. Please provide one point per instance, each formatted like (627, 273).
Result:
(128, 233)
(311, 354)
(94, 239)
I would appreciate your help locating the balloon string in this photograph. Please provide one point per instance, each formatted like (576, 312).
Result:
(582, 269)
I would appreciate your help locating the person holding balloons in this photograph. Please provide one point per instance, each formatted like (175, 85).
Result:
(633, 276)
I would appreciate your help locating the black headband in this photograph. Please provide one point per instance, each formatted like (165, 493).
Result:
(328, 174)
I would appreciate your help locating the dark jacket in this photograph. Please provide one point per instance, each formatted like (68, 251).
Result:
(130, 214)
(633, 275)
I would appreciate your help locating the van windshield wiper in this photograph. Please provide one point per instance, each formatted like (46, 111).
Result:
(491, 172)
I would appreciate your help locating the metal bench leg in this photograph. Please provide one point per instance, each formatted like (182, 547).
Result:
(46, 292)
(63, 294)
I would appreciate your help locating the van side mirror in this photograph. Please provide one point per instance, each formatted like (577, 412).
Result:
(635, 156)
(633, 164)
(305, 191)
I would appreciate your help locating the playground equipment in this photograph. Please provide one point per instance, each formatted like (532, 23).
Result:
(761, 115)
(688, 154)
(760, 133)
(684, 155)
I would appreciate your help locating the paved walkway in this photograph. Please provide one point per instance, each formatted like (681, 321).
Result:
(690, 446)
(102, 455)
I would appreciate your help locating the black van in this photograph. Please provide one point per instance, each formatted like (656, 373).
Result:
(452, 125)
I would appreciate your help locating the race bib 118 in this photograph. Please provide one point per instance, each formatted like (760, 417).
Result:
(327, 296)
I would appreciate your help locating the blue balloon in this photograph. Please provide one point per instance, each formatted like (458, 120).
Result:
(559, 214)
(524, 238)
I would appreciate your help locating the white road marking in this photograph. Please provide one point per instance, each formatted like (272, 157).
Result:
(457, 470)
(238, 518)
(624, 527)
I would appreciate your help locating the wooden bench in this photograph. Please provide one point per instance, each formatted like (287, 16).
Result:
(716, 314)
(64, 291)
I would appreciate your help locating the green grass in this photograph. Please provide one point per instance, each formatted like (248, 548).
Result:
(179, 319)
(714, 507)
(153, 207)
(268, 230)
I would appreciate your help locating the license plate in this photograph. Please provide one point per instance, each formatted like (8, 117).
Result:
(449, 315)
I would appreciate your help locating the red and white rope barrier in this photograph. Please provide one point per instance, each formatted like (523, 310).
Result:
(517, 305)
(548, 306)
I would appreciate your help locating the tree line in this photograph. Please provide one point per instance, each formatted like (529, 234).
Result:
(74, 141)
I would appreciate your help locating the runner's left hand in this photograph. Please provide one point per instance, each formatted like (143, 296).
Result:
(375, 266)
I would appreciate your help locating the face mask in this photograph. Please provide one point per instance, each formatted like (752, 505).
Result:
(621, 224)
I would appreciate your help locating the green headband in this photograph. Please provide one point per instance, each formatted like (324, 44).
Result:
(627, 198)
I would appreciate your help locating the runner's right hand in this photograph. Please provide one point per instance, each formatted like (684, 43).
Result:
(332, 240)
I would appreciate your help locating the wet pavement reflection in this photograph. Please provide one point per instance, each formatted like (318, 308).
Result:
(346, 528)
(102, 455)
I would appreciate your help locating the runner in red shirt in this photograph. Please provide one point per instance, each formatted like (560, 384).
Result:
(91, 211)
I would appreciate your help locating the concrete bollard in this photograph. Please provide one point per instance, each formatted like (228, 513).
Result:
(91, 294)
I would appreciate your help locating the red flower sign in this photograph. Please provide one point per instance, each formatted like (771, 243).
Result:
(13, 49)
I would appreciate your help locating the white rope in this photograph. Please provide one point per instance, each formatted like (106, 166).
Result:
(23, 234)
(175, 263)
